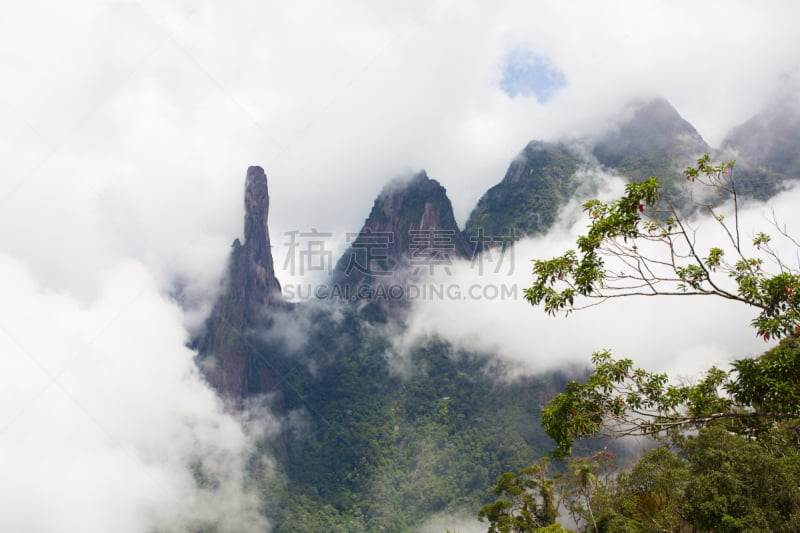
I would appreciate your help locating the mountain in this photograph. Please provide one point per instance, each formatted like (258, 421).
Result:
(771, 139)
(538, 182)
(373, 437)
(767, 146)
(370, 439)
(410, 231)
(249, 293)
(652, 139)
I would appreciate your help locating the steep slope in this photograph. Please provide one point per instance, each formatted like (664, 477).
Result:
(771, 139)
(410, 231)
(652, 140)
(361, 446)
(250, 290)
(767, 146)
(538, 182)
(376, 450)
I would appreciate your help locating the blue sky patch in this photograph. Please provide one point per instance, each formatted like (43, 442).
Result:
(526, 73)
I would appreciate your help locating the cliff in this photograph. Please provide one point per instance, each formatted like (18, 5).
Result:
(410, 231)
(250, 292)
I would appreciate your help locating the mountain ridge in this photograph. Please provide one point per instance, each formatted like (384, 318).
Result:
(363, 446)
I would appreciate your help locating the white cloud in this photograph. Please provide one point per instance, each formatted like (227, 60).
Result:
(140, 119)
(463, 523)
(103, 412)
(679, 334)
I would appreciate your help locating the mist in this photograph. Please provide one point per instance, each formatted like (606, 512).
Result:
(106, 423)
(680, 334)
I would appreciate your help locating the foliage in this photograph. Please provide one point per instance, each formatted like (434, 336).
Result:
(618, 399)
(379, 442)
(713, 480)
(526, 501)
(641, 244)
(585, 484)
(736, 484)
(527, 201)
(651, 493)
(737, 469)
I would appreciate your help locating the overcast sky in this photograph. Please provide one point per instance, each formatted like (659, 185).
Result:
(126, 129)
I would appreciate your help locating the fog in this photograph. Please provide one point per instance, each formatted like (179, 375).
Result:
(680, 334)
(105, 415)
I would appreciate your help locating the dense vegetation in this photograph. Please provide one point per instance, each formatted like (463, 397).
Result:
(538, 183)
(379, 441)
(727, 475)
(373, 439)
(732, 462)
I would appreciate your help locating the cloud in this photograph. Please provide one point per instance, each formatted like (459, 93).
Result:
(104, 417)
(133, 124)
(680, 334)
(462, 523)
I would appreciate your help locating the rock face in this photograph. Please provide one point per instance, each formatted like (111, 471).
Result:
(538, 182)
(411, 230)
(257, 282)
(250, 292)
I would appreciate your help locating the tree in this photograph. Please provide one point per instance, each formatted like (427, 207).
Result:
(525, 502)
(738, 471)
(618, 399)
(642, 245)
(736, 484)
(714, 480)
(652, 492)
(585, 486)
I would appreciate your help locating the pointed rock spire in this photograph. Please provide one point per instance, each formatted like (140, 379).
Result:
(255, 270)
(250, 291)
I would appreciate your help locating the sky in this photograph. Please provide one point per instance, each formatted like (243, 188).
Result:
(525, 73)
(126, 128)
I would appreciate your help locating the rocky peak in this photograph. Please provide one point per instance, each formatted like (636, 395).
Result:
(256, 205)
(255, 272)
(250, 292)
(411, 227)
